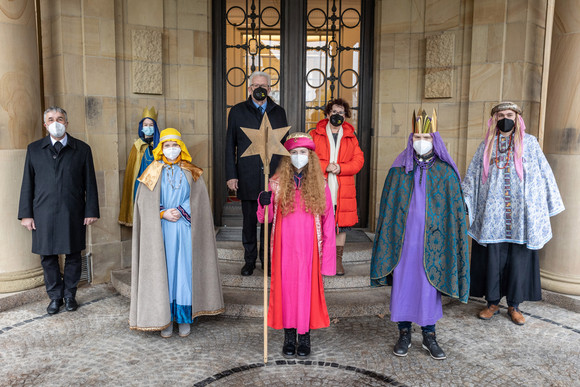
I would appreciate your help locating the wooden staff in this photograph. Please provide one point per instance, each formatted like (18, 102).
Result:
(266, 142)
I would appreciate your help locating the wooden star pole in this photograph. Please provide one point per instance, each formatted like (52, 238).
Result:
(266, 142)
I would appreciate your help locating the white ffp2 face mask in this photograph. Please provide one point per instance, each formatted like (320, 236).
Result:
(172, 152)
(56, 129)
(422, 147)
(299, 161)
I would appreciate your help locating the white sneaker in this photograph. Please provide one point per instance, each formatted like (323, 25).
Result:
(167, 332)
(184, 330)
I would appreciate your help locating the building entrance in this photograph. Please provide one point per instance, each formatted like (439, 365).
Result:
(314, 50)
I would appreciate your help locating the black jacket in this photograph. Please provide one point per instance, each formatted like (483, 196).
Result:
(59, 192)
(249, 170)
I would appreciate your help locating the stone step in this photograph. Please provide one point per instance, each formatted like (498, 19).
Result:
(121, 281)
(355, 252)
(356, 277)
(248, 302)
(232, 221)
(230, 232)
(344, 303)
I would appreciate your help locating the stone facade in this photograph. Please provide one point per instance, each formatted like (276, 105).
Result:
(105, 60)
(497, 55)
(20, 123)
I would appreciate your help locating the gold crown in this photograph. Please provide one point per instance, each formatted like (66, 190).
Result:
(423, 123)
(150, 113)
(297, 135)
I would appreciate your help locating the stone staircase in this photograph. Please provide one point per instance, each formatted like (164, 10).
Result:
(346, 296)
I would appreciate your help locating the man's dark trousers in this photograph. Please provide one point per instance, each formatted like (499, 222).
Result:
(58, 286)
(250, 224)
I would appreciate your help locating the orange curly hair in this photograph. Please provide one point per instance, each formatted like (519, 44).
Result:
(312, 186)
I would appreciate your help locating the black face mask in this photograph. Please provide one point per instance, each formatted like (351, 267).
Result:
(505, 125)
(260, 94)
(336, 120)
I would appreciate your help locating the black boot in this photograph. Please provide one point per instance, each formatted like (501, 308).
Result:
(289, 348)
(303, 345)
(404, 343)
(430, 345)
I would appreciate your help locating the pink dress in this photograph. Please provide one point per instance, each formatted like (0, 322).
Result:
(299, 241)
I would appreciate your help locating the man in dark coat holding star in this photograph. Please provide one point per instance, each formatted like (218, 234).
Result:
(246, 175)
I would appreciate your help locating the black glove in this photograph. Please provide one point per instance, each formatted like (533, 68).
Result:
(265, 198)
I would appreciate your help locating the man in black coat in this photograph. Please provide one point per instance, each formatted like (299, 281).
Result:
(58, 199)
(246, 175)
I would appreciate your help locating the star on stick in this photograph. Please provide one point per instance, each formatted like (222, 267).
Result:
(265, 141)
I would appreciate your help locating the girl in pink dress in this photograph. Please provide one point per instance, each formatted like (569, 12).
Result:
(302, 245)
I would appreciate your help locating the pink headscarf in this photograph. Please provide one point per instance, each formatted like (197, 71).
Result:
(297, 140)
(518, 151)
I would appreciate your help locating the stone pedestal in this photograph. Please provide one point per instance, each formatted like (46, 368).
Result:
(559, 263)
(20, 124)
(19, 268)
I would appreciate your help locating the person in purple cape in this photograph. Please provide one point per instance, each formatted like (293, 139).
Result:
(421, 247)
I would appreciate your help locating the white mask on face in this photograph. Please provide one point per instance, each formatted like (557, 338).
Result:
(422, 147)
(299, 161)
(56, 129)
(148, 130)
(171, 153)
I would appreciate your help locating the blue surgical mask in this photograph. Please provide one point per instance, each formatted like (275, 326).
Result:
(148, 130)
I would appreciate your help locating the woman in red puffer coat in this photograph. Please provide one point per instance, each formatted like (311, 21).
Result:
(340, 158)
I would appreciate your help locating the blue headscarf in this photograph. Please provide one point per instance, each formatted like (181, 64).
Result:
(155, 133)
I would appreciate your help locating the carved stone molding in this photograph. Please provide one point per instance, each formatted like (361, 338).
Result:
(440, 51)
(147, 70)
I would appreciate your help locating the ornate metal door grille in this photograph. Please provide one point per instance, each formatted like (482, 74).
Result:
(253, 43)
(333, 56)
(314, 50)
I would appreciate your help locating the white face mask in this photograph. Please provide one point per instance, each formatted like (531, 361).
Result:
(299, 160)
(56, 129)
(422, 147)
(148, 130)
(171, 153)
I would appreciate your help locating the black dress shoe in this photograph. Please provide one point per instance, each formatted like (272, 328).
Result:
(404, 343)
(431, 346)
(303, 350)
(248, 269)
(70, 304)
(54, 306)
(289, 348)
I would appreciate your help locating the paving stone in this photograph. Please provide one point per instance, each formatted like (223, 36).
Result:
(94, 347)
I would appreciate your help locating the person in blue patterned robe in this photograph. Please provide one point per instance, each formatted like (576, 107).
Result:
(511, 193)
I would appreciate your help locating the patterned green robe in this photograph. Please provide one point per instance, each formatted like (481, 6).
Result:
(445, 257)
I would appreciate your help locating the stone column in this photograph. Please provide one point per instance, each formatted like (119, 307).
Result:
(559, 263)
(20, 124)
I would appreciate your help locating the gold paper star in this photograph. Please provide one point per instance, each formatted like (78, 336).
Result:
(265, 141)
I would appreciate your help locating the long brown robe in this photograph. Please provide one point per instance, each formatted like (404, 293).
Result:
(131, 174)
(149, 309)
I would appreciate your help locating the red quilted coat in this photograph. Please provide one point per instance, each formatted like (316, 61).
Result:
(351, 160)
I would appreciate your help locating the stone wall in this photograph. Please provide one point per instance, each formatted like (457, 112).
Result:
(459, 57)
(20, 124)
(105, 61)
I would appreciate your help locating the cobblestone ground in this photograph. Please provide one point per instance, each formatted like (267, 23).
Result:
(94, 346)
